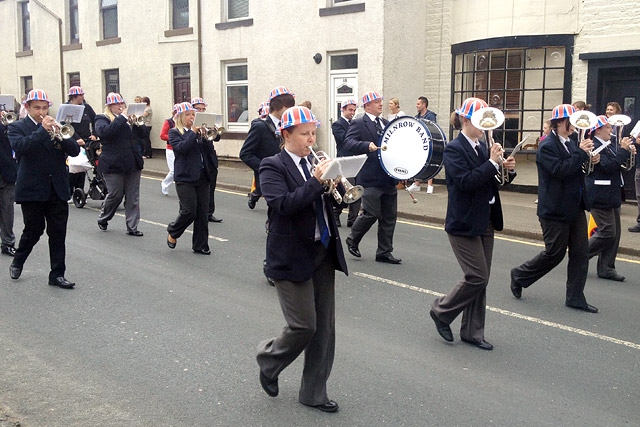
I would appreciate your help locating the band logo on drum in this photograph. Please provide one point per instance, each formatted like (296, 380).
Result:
(399, 124)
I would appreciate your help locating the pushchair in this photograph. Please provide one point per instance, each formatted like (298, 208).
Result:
(97, 185)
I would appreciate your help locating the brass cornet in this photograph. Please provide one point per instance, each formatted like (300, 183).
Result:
(135, 120)
(210, 133)
(351, 193)
(8, 117)
(619, 121)
(60, 132)
(584, 120)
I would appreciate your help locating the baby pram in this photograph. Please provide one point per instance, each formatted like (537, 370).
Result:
(97, 185)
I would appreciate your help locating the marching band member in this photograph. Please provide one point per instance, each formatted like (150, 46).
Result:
(561, 206)
(82, 130)
(261, 140)
(8, 172)
(303, 252)
(604, 192)
(201, 107)
(339, 129)
(192, 173)
(164, 135)
(121, 163)
(42, 185)
(380, 198)
(474, 212)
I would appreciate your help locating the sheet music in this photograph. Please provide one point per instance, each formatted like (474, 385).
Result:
(636, 130)
(208, 119)
(70, 113)
(347, 167)
(136, 109)
(519, 145)
(602, 147)
(7, 102)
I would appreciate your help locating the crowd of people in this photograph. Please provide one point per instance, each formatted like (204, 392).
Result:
(304, 247)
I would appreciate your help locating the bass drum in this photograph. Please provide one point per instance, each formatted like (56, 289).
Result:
(412, 148)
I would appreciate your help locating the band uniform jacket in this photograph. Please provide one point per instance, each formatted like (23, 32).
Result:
(291, 245)
(604, 184)
(261, 142)
(120, 148)
(361, 132)
(8, 166)
(339, 129)
(471, 185)
(560, 179)
(192, 155)
(41, 166)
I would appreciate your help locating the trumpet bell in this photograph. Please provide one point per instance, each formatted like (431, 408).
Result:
(352, 193)
(619, 120)
(66, 131)
(8, 118)
(487, 118)
(583, 119)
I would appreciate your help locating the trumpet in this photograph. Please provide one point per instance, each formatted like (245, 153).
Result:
(619, 121)
(60, 132)
(487, 119)
(352, 193)
(8, 118)
(584, 120)
(135, 120)
(210, 133)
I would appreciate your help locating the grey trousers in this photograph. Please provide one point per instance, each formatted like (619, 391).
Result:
(309, 310)
(604, 243)
(468, 297)
(7, 200)
(378, 204)
(637, 182)
(121, 185)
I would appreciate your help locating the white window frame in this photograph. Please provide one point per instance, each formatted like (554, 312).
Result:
(227, 9)
(235, 126)
(104, 6)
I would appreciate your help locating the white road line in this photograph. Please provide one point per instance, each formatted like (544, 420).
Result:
(509, 313)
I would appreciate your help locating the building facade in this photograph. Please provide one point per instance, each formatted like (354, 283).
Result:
(523, 57)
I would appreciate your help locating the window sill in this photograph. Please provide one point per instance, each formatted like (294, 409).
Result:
(24, 53)
(76, 46)
(234, 24)
(114, 40)
(178, 32)
(342, 10)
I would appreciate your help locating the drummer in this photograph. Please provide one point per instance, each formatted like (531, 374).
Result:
(473, 213)
(380, 198)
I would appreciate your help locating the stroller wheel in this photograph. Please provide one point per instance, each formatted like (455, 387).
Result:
(79, 198)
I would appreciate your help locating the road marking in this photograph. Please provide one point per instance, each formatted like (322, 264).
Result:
(146, 221)
(509, 313)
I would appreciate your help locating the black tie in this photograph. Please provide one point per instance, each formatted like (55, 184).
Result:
(379, 125)
(322, 225)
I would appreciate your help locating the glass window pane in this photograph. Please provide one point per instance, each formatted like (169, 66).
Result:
(110, 23)
(238, 9)
(236, 72)
(534, 79)
(344, 62)
(554, 79)
(555, 57)
(535, 58)
(108, 3)
(458, 63)
(180, 14)
(515, 58)
(532, 99)
(552, 98)
(112, 81)
(532, 121)
(237, 102)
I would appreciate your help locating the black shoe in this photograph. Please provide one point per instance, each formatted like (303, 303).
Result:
(9, 250)
(616, 277)
(516, 289)
(202, 251)
(338, 223)
(15, 271)
(251, 204)
(136, 233)
(349, 224)
(484, 345)
(353, 249)
(102, 226)
(214, 219)
(271, 281)
(61, 282)
(172, 245)
(330, 406)
(443, 329)
(389, 259)
(634, 229)
(588, 308)
(268, 385)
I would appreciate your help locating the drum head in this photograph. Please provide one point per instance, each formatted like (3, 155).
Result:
(406, 147)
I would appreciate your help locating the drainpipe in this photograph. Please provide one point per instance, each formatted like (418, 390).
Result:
(200, 89)
(62, 82)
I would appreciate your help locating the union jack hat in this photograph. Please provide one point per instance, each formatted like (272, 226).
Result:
(195, 101)
(38, 95)
(182, 107)
(296, 116)
(602, 120)
(562, 111)
(370, 96)
(114, 98)
(263, 109)
(350, 101)
(469, 106)
(280, 90)
(76, 90)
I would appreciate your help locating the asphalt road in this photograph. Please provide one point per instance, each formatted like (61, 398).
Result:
(153, 336)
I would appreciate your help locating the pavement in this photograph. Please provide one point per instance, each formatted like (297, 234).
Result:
(519, 208)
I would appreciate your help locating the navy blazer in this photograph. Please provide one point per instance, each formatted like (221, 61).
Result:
(291, 245)
(361, 132)
(41, 165)
(471, 185)
(120, 148)
(604, 184)
(339, 129)
(560, 179)
(261, 142)
(193, 155)
(8, 165)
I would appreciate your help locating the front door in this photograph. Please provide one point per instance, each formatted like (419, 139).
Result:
(343, 86)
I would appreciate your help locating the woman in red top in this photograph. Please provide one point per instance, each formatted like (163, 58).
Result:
(164, 135)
